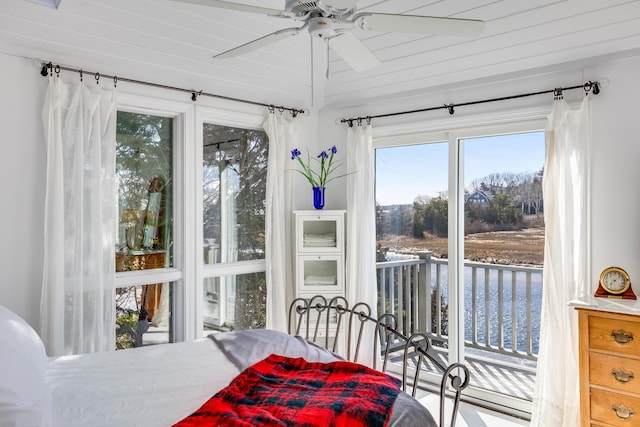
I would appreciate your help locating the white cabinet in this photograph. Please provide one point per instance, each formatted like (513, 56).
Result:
(319, 253)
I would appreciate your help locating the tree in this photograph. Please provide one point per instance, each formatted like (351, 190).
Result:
(431, 217)
(501, 211)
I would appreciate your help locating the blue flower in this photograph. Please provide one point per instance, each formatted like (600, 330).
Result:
(326, 163)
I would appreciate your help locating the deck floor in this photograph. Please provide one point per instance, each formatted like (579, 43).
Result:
(497, 373)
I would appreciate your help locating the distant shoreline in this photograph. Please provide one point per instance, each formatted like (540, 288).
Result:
(520, 247)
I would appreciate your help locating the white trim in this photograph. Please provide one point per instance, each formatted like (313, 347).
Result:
(410, 139)
(147, 277)
(198, 220)
(233, 268)
(455, 267)
(459, 124)
(184, 161)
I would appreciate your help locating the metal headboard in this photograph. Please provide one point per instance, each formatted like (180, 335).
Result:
(318, 320)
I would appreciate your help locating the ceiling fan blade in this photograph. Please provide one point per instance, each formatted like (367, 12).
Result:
(258, 43)
(387, 22)
(236, 6)
(353, 52)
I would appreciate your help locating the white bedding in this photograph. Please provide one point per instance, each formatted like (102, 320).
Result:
(151, 386)
(157, 386)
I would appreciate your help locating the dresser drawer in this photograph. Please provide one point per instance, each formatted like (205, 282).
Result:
(615, 372)
(604, 402)
(614, 335)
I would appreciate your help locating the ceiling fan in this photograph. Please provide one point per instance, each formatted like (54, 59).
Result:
(331, 20)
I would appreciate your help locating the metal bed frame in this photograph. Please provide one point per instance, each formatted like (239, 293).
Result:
(324, 322)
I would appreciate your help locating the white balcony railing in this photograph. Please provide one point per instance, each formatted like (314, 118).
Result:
(502, 303)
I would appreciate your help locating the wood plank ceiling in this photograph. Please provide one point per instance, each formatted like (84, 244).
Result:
(172, 43)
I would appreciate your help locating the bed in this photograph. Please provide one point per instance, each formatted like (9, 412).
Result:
(172, 384)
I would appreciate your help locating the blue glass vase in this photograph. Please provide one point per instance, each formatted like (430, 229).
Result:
(318, 197)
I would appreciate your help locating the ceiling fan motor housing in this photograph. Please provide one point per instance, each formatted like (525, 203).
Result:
(320, 7)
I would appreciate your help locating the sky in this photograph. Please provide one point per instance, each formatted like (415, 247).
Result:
(403, 173)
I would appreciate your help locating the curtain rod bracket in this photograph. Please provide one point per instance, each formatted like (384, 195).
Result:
(45, 69)
(594, 87)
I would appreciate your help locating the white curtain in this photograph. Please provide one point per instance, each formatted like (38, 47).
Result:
(556, 400)
(78, 305)
(361, 226)
(279, 274)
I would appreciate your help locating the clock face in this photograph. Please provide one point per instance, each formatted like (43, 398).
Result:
(615, 280)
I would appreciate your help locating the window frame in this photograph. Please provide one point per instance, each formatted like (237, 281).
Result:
(188, 270)
(178, 274)
(203, 271)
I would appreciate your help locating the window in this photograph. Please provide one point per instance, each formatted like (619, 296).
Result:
(460, 236)
(234, 171)
(190, 240)
(144, 174)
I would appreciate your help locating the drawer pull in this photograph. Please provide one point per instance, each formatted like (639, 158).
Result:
(622, 411)
(621, 336)
(621, 375)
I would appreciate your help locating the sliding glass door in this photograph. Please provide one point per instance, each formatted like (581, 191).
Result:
(460, 236)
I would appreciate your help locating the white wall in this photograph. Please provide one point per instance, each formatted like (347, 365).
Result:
(615, 150)
(615, 176)
(22, 174)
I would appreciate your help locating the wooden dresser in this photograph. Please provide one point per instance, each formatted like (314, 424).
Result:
(609, 368)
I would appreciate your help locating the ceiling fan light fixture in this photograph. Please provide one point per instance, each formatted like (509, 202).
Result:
(321, 28)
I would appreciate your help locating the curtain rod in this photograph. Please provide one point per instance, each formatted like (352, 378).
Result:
(49, 69)
(557, 92)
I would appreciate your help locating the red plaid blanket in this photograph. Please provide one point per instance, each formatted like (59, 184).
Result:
(283, 391)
